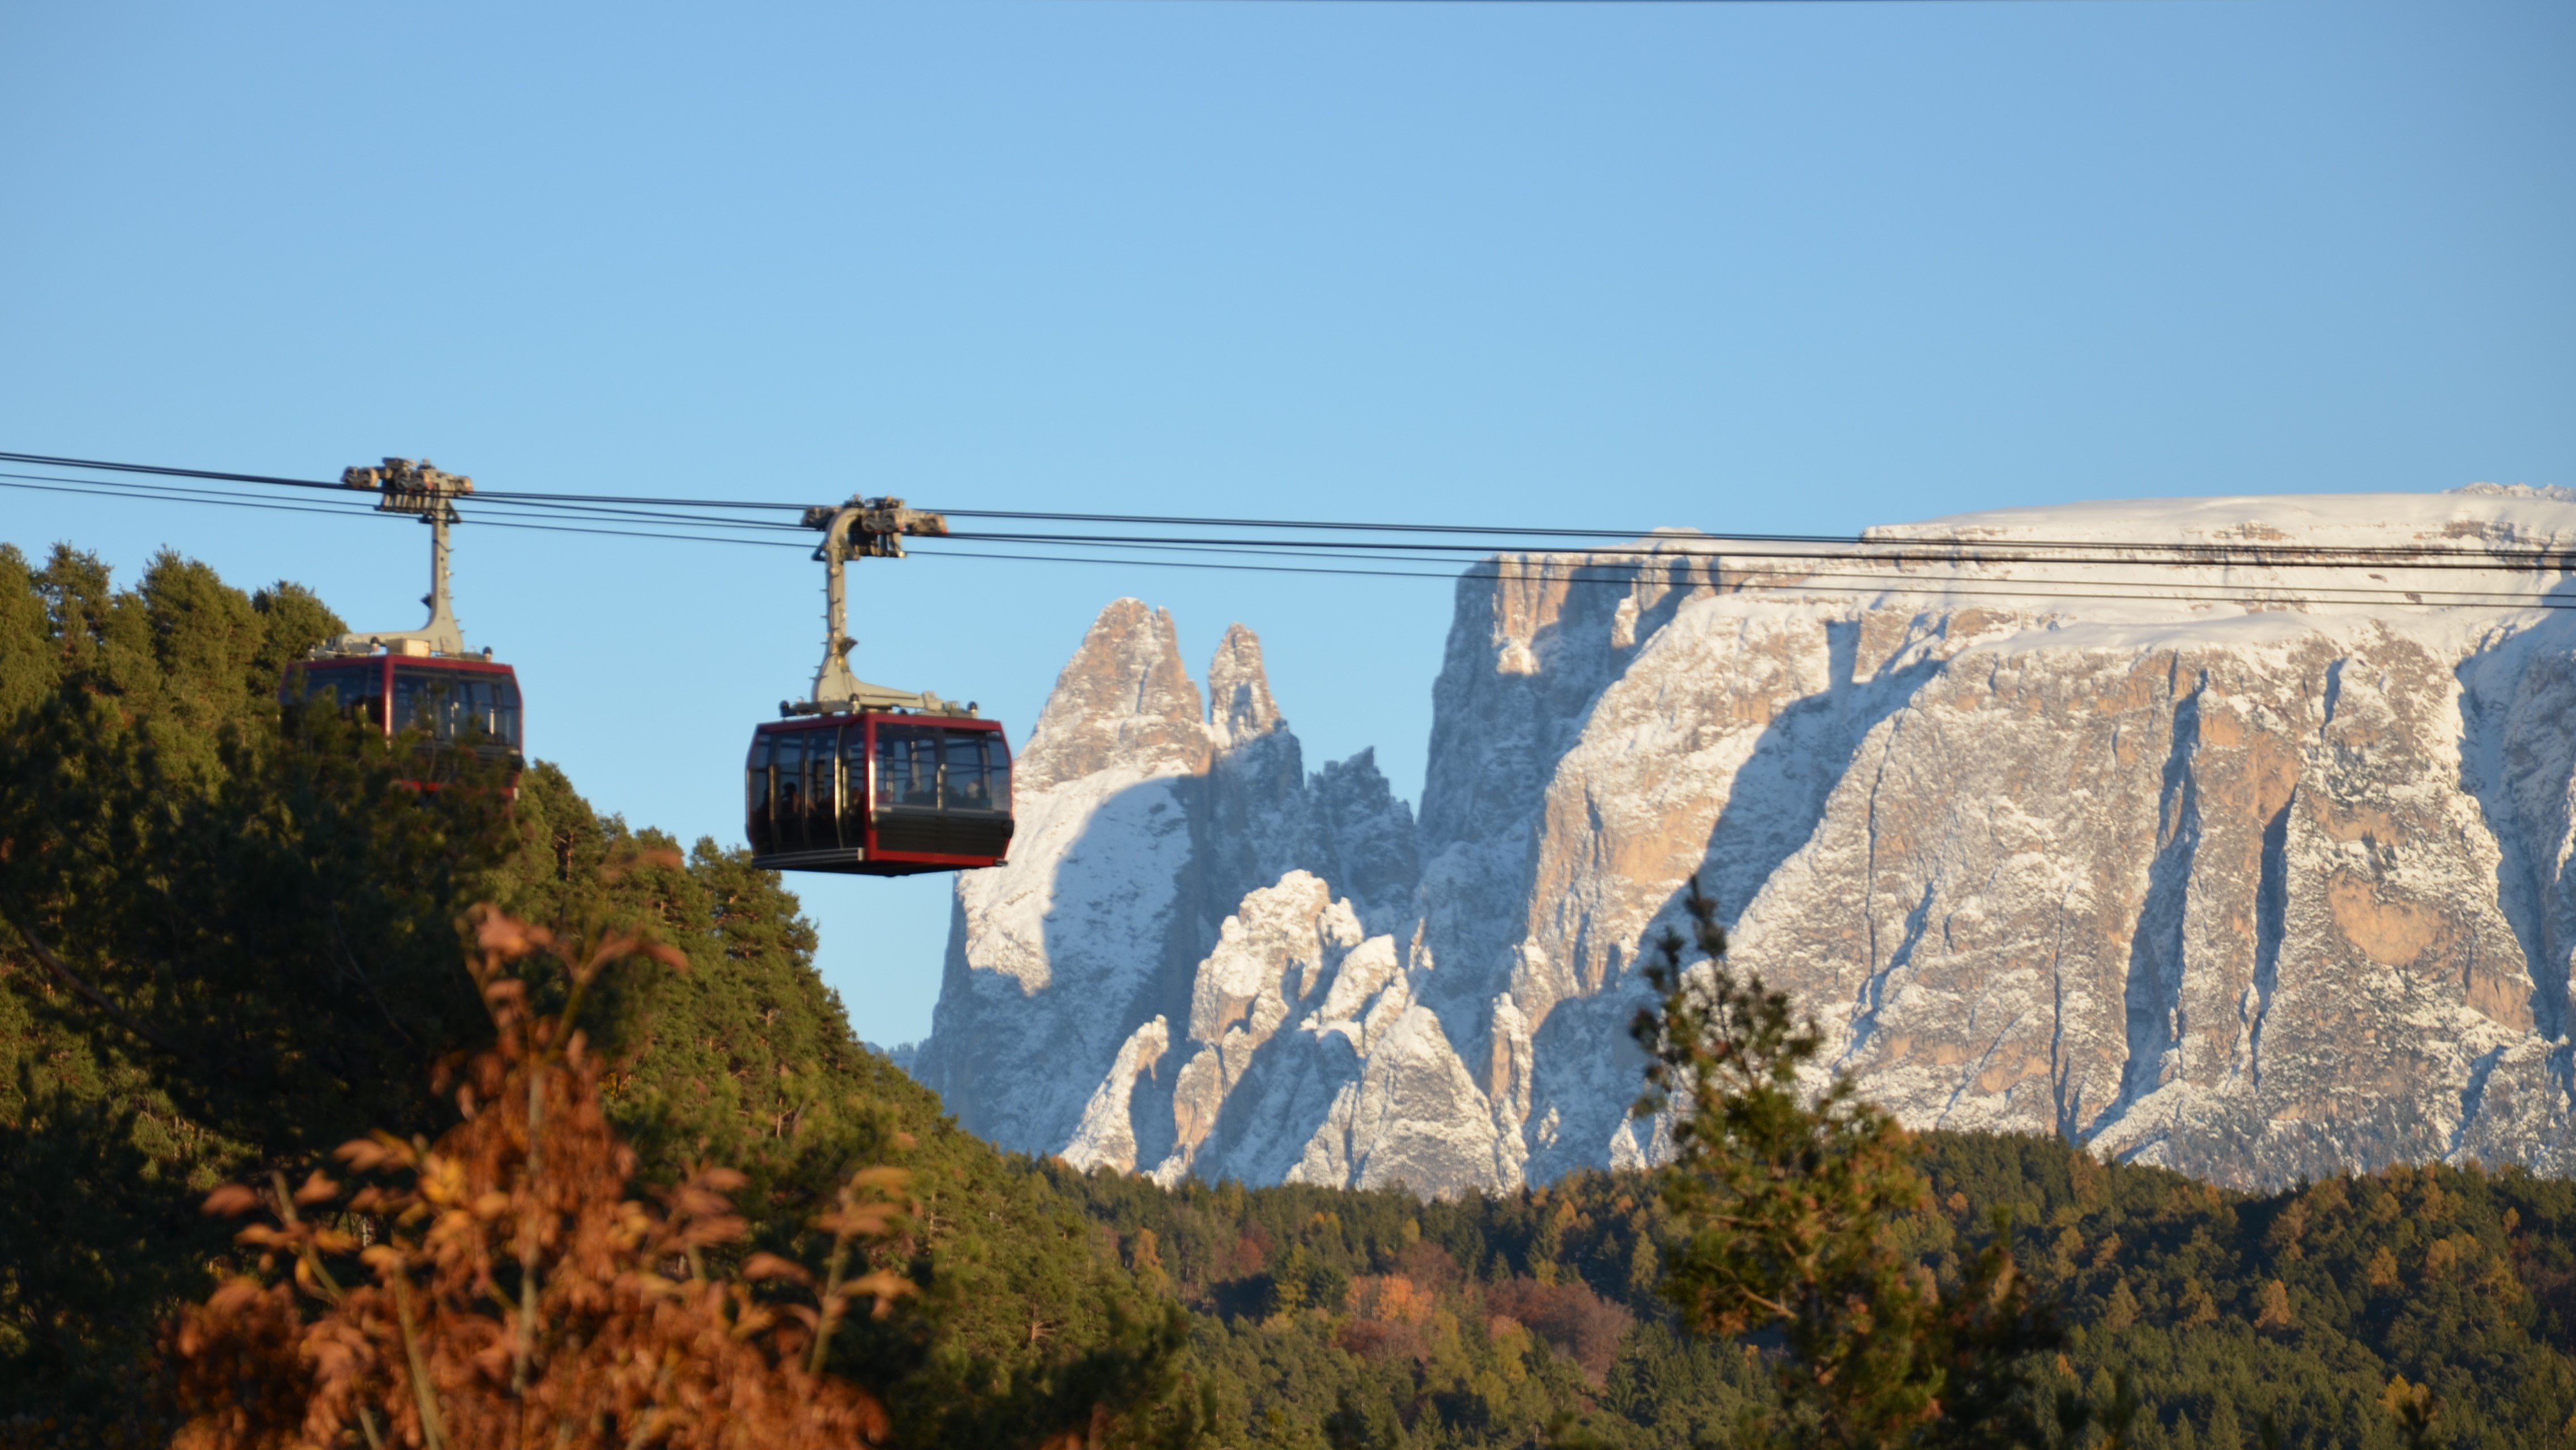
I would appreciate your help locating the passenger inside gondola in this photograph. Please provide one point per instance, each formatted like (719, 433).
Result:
(908, 766)
(356, 689)
(962, 785)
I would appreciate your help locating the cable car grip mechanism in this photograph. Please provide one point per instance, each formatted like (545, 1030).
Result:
(859, 529)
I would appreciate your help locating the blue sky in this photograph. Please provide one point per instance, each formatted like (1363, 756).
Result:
(1795, 267)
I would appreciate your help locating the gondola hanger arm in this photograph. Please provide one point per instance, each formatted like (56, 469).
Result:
(409, 486)
(860, 529)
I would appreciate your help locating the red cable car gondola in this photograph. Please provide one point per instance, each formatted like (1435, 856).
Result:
(398, 681)
(878, 793)
(869, 781)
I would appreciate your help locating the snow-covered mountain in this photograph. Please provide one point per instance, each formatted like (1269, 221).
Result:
(2256, 890)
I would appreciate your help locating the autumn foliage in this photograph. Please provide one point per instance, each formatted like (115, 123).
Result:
(503, 1286)
(1582, 1325)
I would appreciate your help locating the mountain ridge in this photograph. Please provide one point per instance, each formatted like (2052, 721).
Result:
(2259, 891)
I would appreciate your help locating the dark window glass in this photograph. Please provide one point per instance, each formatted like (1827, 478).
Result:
(964, 789)
(907, 766)
(434, 701)
(356, 690)
(412, 706)
(997, 770)
(822, 764)
(789, 813)
(854, 784)
(505, 710)
(463, 706)
(491, 709)
(755, 794)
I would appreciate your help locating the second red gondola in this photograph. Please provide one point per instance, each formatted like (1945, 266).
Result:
(457, 705)
(421, 683)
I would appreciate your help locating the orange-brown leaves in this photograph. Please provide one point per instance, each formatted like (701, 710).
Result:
(506, 937)
(1389, 1315)
(231, 1201)
(1579, 1323)
(514, 1292)
(770, 1266)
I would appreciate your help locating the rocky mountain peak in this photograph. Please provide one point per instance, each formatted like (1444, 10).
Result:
(2196, 868)
(1148, 830)
(1239, 703)
(1124, 698)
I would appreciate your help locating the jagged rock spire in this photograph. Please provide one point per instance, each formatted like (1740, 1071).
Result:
(1146, 826)
(1239, 704)
(1124, 698)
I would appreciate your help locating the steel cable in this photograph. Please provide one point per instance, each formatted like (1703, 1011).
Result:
(2284, 555)
(605, 516)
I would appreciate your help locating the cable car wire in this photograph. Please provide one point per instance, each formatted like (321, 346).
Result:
(359, 502)
(1734, 564)
(1915, 585)
(603, 515)
(1737, 565)
(356, 502)
(1809, 580)
(17, 481)
(1875, 551)
(1321, 526)
(1575, 572)
(2131, 550)
(1844, 541)
(481, 495)
(47, 461)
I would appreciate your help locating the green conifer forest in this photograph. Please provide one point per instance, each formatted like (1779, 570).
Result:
(231, 939)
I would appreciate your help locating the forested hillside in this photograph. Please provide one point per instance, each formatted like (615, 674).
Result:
(229, 948)
(226, 952)
(1373, 1318)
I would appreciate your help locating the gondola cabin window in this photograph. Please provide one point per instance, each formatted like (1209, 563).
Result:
(908, 766)
(790, 775)
(961, 773)
(757, 778)
(357, 690)
(454, 708)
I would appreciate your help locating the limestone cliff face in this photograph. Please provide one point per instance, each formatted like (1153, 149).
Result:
(1146, 821)
(2253, 891)
(1054, 955)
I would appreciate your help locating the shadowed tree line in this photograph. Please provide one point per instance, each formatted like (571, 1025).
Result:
(232, 942)
(230, 949)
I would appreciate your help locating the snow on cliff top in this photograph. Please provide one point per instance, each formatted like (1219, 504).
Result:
(2449, 565)
(2452, 592)
(2518, 513)
(2110, 590)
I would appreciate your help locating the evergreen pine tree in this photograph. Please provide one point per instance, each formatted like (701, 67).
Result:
(2122, 1311)
(1790, 1205)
